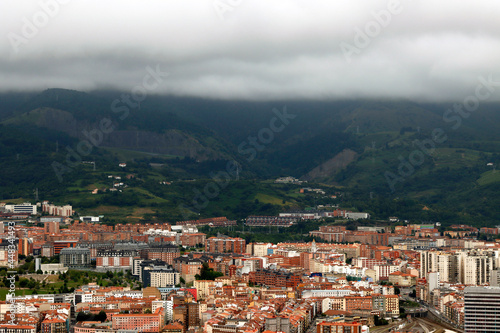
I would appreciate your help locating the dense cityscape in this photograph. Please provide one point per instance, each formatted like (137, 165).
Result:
(65, 274)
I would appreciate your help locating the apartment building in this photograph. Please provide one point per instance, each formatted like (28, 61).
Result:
(163, 277)
(333, 327)
(164, 252)
(158, 274)
(112, 259)
(446, 263)
(51, 209)
(188, 267)
(75, 257)
(151, 323)
(18, 328)
(476, 266)
(225, 244)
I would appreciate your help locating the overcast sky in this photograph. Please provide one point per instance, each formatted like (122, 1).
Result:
(254, 49)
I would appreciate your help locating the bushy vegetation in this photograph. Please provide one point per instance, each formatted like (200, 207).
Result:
(86, 316)
(207, 273)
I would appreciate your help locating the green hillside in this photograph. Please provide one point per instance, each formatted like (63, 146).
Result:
(175, 146)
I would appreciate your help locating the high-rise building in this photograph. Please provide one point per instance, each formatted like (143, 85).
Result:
(446, 263)
(482, 309)
(193, 319)
(447, 266)
(476, 267)
(495, 278)
(434, 280)
(25, 246)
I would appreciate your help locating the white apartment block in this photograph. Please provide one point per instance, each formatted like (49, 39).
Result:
(472, 267)
(446, 263)
(162, 278)
(476, 266)
(26, 207)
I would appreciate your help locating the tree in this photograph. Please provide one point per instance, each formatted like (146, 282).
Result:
(397, 291)
(207, 273)
(82, 316)
(39, 271)
(101, 316)
(379, 321)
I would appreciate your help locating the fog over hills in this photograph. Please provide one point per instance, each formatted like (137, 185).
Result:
(254, 50)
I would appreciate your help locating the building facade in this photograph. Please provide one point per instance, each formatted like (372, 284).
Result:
(75, 257)
(482, 309)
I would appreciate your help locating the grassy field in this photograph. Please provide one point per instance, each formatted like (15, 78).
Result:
(274, 200)
(53, 283)
(452, 157)
(18, 292)
(489, 177)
